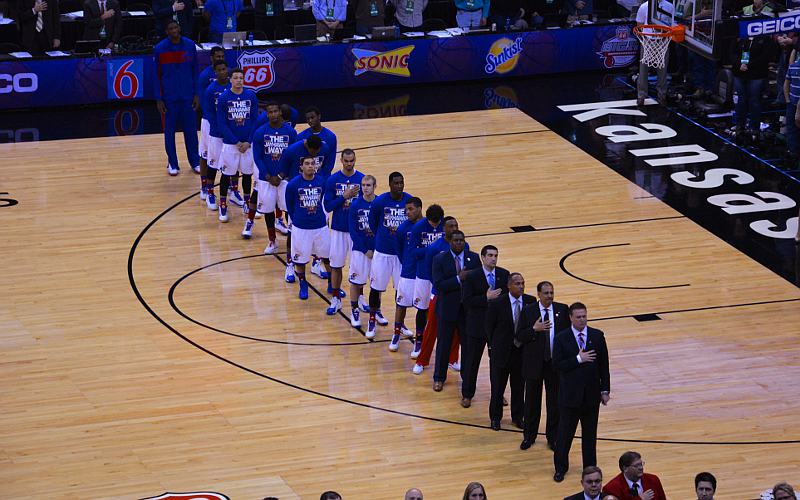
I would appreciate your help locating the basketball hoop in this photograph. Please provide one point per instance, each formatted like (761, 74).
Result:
(655, 41)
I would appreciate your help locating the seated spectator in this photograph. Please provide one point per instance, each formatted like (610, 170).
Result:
(578, 7)
(408, 14)
(369, 14)
(475, 491)
(39, 25)
(103, 21)
(471, 13)
(413, 494)
(330, 495)
(705, 485)
(330, 15)
(592, 482)
(633, 482)
(221, 16)
(757, 8)
(508, 14)
(180, 11)
(541, 8)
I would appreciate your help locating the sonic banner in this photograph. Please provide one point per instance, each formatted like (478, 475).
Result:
(63, 82)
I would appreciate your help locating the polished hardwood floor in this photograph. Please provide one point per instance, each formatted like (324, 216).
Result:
(128, 370)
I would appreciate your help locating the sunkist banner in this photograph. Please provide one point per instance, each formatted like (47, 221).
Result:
(42, 82)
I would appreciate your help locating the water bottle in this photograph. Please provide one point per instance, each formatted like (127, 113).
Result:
(250, 39)
(508, 24)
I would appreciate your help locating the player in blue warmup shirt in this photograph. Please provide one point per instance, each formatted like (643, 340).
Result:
(214, 140)
(313, 118)
(237, 110)
(309, 225)
(206, 77)
(408, 271)
(176, 98)
(423, 234)
(269, 142)
(290, 115)
(363, 247)
(388, 212)
(341, 189)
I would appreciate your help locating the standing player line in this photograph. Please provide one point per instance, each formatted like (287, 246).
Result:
(408, 269)
(363, 247)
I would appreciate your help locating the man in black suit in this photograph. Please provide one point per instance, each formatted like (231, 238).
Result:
(39, 24)
(505, 317)
(479, 288)
(537, 364)
(581, 357)
(592, 483)
(448, 271)
(103, 21)
(180, 11)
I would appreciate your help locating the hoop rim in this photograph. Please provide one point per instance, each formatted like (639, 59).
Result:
(659, 31)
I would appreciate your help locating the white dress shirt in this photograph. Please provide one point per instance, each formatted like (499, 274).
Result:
(577, 341)
(552, 332)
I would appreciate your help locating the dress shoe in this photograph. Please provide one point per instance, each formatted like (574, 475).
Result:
(558, 477)
(517, 424)
(525, 444)
(495, 425)
(505, 402)
(438, 386)
(466, 402)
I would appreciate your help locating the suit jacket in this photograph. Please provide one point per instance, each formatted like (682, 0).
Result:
(448, 288)
(500, 326)
(162, 11)
(580, 384)
(91, 14)
(473, 296)
(27, 21)
(619, 487)
(535, 343)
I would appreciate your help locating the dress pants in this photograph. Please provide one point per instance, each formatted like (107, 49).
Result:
(429, 339)
(568, 420)
(444, 338)
(471, 362)
(551, 401)
(499, 375)
(181, 111)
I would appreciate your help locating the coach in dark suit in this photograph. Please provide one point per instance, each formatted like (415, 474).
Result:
(505, 317)
(581, 358)
(100, 14)
(592, 483)
(480, 286)
(537, 364)
(180, 11)
(39, 24)
(449, 269)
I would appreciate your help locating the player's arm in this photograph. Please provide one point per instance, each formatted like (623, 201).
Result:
(291, 193)
(330, 200)
(285, 163)
(374, 217)
(327, 164)
(194, 72)
(416, 244)
(257, 140)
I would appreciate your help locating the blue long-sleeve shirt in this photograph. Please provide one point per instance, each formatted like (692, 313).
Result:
(236, 115)
(424, 235)
(474, 5)
(294, 117)
(269, 143)
(304, 202)
(358, 225)
(209, 100)
(221, 12)
(334, 201)
(325, 134)
(330, 10)
(405, 250)
(204, 79)
(293, 155)
(176, 70)
(385, 217)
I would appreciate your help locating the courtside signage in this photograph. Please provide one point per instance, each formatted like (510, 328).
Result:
(259, 69)
(198, 495)
(20, 83)
(503, 56)
(393, 62)
(769, 26)
(125, 78)
(620, 50)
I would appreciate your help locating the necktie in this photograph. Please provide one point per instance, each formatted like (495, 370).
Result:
(458, 265)
(548, 351)
(516, 314)
(39, 22)
(490, 278)
(102, 6)
(581, 343)
(635, 490)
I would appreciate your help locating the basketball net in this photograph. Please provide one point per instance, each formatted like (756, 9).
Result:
(655, 43)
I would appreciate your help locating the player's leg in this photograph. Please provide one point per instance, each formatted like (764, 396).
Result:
(301, 247)
(229, 160)
(252, 202)
(265, 202)
(246, 167)
(339, 250)
(289, 275)
(394, 273)
(322, 249)
(189, 123)
(170, 127)
(280, 225)
(405, 299)
(214, 151)
(380, 273)
(234, 195)
(203, 154)
(359, 273)
(428, 339)
(422, 299)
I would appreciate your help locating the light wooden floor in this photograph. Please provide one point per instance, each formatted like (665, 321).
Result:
(99, 399)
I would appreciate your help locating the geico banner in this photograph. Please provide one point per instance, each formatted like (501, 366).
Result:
(769, 26)
(74, 81)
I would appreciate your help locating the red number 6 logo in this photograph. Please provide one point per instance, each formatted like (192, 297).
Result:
(133, 80)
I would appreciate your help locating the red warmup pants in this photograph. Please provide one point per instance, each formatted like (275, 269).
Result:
(429, 338)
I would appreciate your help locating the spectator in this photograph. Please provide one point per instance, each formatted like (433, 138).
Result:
(757, 8)
(791, 90)
(475, 491)
(471, 13)
(330, 495)
(633, 482)
(103, 21)
(330, 15)
(541, 8)
(508, 14)
(783, 491)
(369, 14)
(180, 11)
(705, 485)
(578, 7)
(408, 14)
(413, 494)
(269, 17)
(221, 16)
(786, 43)
(592, 482)
(750, 58)
(642, 83)
(39, 24)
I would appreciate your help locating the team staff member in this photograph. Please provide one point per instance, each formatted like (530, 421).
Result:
(176, 84)
(363, 246)
(39, 25)
(581, 358)
(221, 16)
(103, 20)
(387, 213)
(237, 111)
(341, 189)
(180, 11)
(210, 98)
(309, 224)
(408, 271)
(269, 142)
(207, 76)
